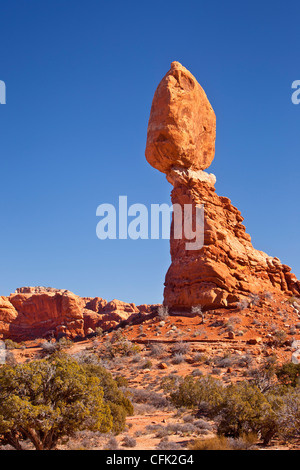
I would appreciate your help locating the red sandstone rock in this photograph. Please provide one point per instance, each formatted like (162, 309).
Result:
(45, 312)
(227, 267)
(182, 124)
(35, 312)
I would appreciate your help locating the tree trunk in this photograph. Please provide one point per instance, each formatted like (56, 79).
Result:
(13, 441)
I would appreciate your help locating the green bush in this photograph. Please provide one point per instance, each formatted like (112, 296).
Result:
(120, 346)
(244, 409)
(46, 400)
(289, 374)
(205, 393)
(49, 399)
(120, 405)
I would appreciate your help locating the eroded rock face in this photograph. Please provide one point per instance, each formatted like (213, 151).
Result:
(37, 313)
(182, 124)
(181, 143)
(227, 268)
(109, 315)
(43, 312)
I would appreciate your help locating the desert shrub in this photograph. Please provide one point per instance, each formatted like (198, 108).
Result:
(244, 409)
(279, 337)
(197, 310)
(215, 443)
(244, 361)
(227, 360)
(129, 441)
(232, 322)
(289, 374)
(166, 445)
(118, 402)
(245, 442)
(181, 428)
(85, 440)
(178, 358)
(202, 424)
(204, 393)
(121, 381)
(293, 299)
(143, 408)
(254, 299)
(197, 373)
(156, 400)
(10, 359)
(146, 364)
(111, 444)
(263, 377)
(199, 357)
(243, 304)
(157, 429)
(46, 400)
(268, 295)
(288, 414)
(181, 348)
(188, 418)
(163, 312)
(120, 346)
(170, 382)
(49, 347)
(136, 358)
(10, 344)
(63, 343)
(157, 350)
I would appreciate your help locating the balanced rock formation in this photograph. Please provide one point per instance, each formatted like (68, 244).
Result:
(178, 134)
(44, 312)
(180, 143)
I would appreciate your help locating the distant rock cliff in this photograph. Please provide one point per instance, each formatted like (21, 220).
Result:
(36, 312)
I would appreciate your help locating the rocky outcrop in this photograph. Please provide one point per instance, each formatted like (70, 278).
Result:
(182, 125)
(43, 312)
(37, 312)
(227, 268)
(180, 143)
(108, 316)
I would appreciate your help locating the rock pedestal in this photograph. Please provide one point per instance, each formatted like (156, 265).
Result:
(181, 144)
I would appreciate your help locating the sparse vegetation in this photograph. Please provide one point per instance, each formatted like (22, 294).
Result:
(10, 344)
(163, 312)
(119, 346)
(243, 304)
(197, 310)
(129, 441)
(246, 442)
(262, 407)
(44, 401)
(254, 299)
(178, 358)
(280, 337)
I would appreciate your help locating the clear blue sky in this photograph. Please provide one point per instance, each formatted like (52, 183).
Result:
(80, 78)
